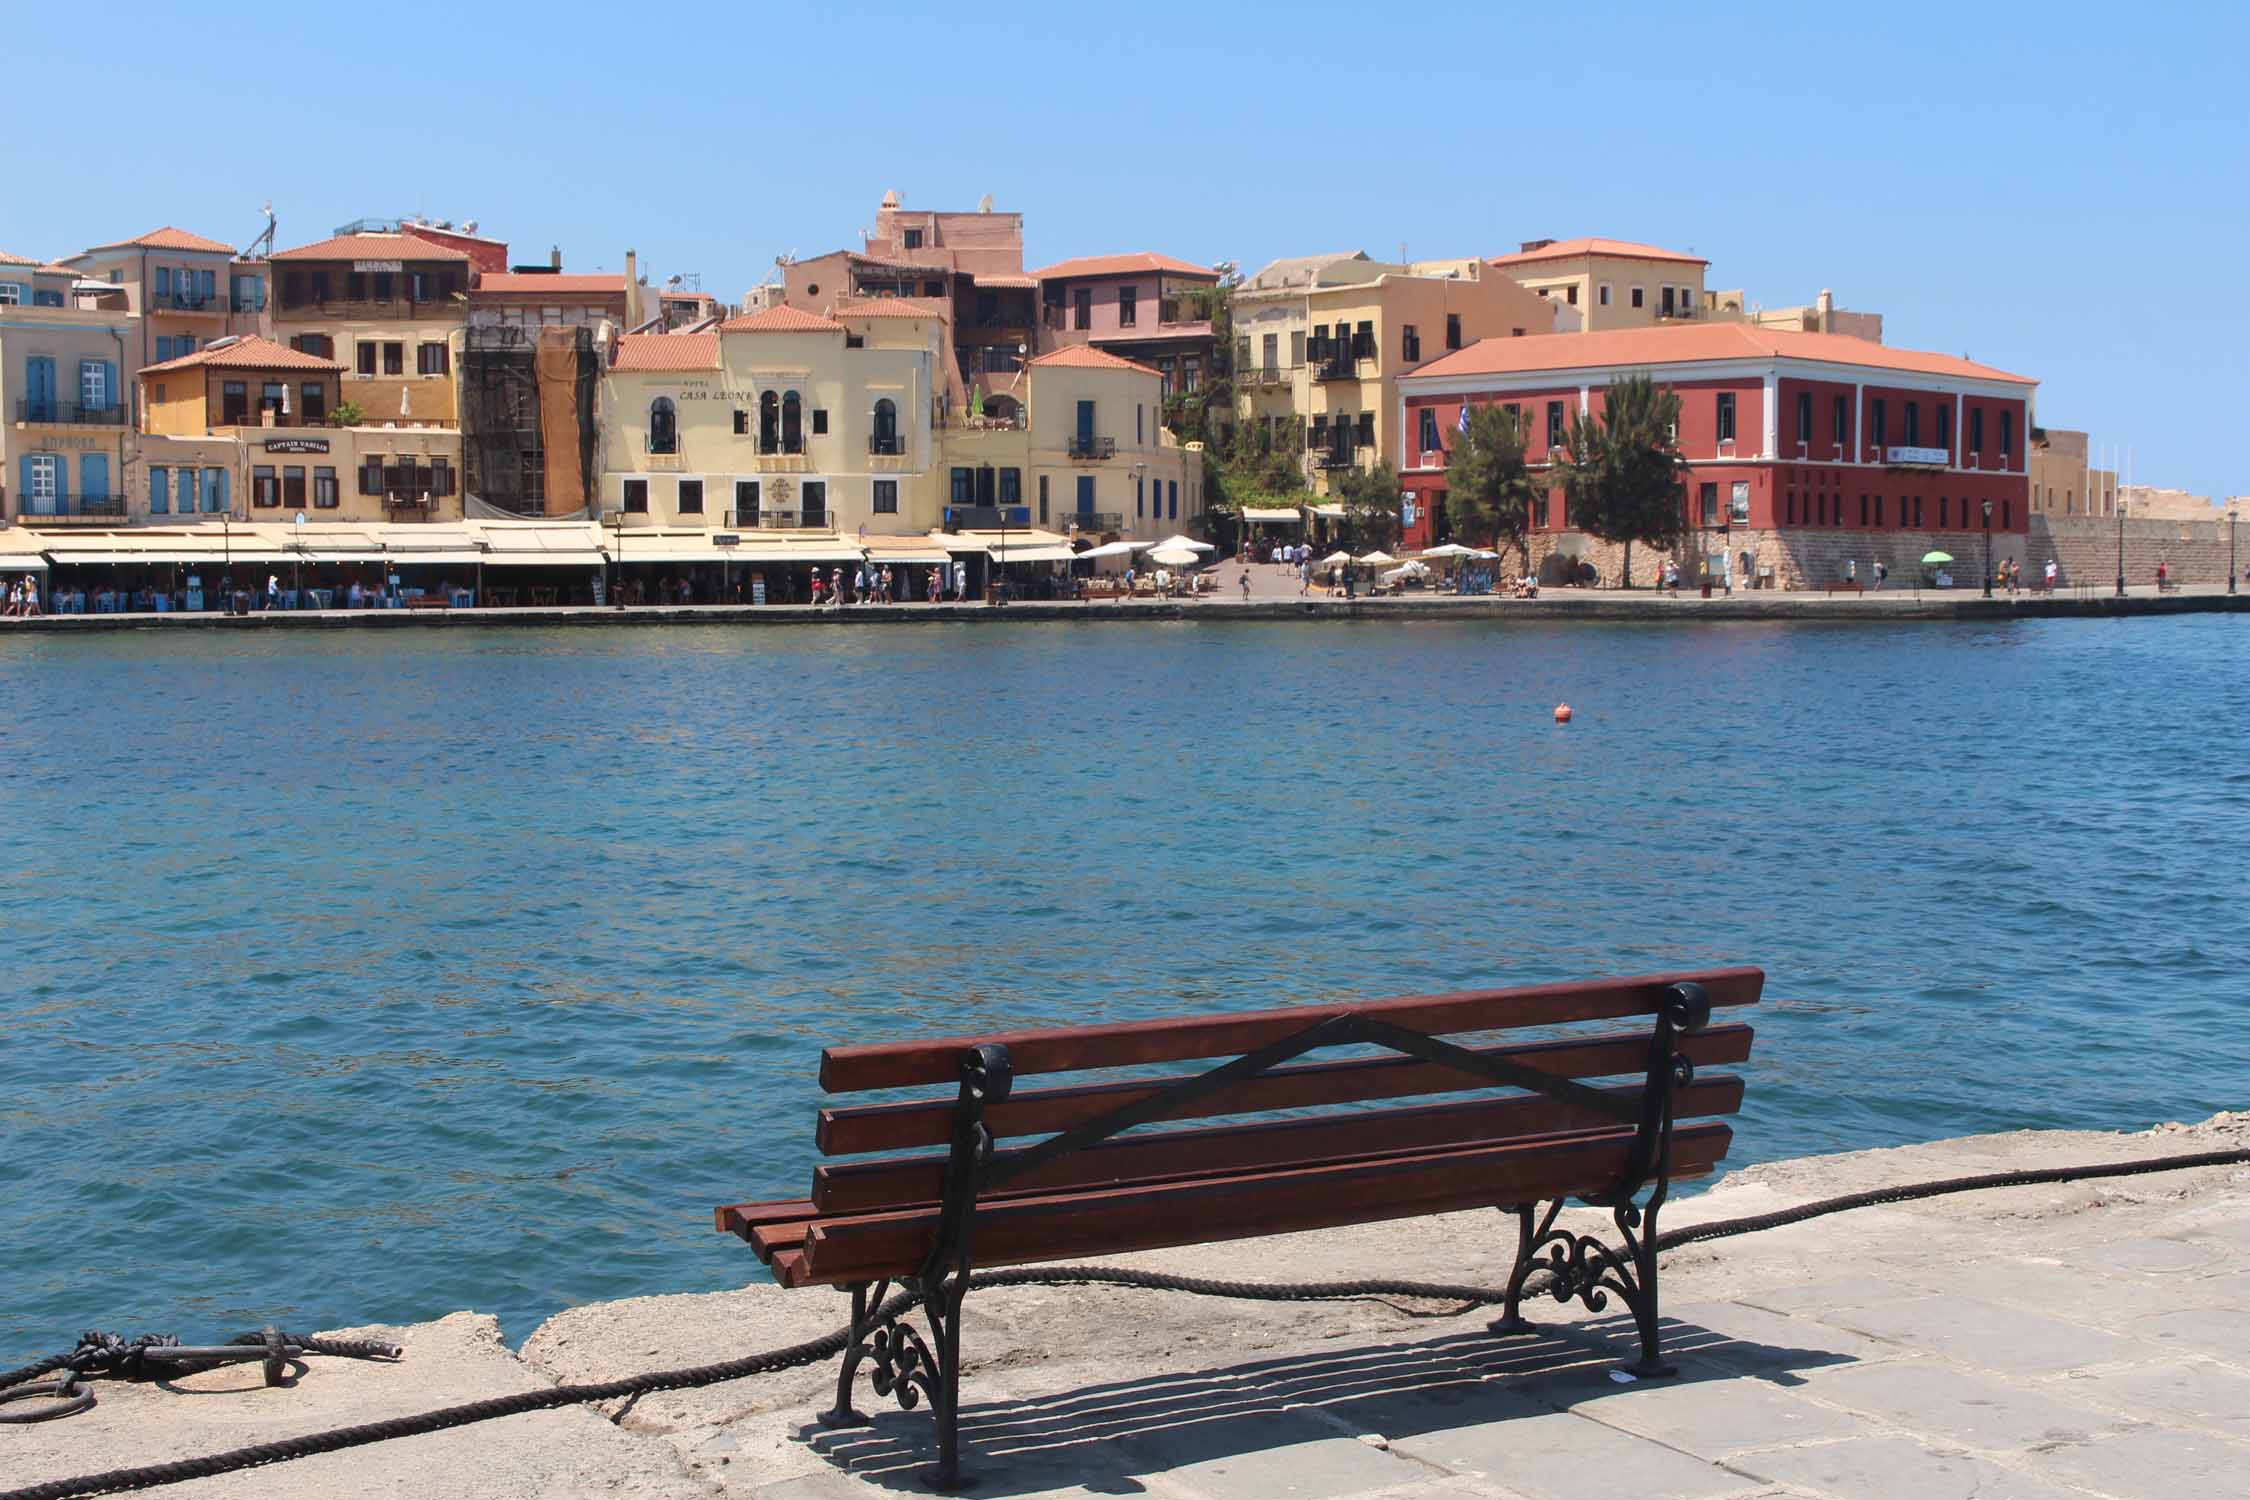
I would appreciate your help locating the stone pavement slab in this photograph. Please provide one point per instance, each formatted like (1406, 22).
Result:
(1897, 1468)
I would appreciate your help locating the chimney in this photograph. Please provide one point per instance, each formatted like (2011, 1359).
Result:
(1827, 305)
(554, 257)
(633, 317)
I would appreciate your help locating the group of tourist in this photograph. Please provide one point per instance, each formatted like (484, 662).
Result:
(23, 598)
(878, 583)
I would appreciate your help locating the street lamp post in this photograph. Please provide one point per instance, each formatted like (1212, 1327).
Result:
(2233, 512)
(2121, 548)
(1988, 549)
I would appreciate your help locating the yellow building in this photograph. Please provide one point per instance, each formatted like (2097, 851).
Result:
(246, 427)
(65, 425)
(390, 307)
(1598, 284)
(184, 290)
(1323, 339)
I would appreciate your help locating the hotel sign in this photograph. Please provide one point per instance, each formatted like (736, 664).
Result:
(296, 445)
(1930, 458)
(378, 265)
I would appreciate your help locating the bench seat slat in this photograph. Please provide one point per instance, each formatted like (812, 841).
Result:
(884, 1065)
(852, 1129)
(1061, 1226)
(741, 1218)
(895, 1183)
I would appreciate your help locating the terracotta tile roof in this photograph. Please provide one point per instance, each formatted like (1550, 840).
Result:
(20, 260)
(651, 352)
(521, 284)
(781, 320)
(373, 247)
(1004, 281)
(1572, 249)
(1691, 343)
(1086, 357)
(885, 307)
(168, 238)
(248, 353)
(1139, 261)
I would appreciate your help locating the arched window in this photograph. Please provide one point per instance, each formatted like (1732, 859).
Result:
(663, 426)
(769, 423)
(886, 426)
(792, 423)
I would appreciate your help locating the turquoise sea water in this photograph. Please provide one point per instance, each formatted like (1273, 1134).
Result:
(363, 977)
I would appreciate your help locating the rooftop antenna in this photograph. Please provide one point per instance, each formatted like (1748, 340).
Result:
(264, 242)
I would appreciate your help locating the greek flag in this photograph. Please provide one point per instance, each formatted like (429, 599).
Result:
(1463, 424)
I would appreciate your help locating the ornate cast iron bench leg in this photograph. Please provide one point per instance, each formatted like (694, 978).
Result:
(865, 1299)
(1587, 1271)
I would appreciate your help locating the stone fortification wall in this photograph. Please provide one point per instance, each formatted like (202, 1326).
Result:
(2085, 549)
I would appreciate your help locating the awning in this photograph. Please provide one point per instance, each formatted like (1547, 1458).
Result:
(1031, 554)
(116, 556)
(929, 557)
(428, 559)
(585, 559)
(1330, 511)
(1253, 513)
(14, 564)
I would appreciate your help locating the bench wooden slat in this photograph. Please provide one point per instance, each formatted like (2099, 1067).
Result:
(1063, 1225)
(741, 1218)
(864, 1187)
(851, 1129)
(885, 1065)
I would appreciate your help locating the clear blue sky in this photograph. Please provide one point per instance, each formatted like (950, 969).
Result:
(2060, 190)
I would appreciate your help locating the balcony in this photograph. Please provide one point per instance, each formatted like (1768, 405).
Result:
(885, 445)
(1269, 375)
(236, 416)
(213, 302)
(406, 505)
(1337, 365)
(68, 413)
(69, 507)
(1093, 522)
(1091, 449)
(662, 456)
(1334, 458)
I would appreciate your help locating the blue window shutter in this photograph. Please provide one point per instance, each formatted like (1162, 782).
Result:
(163, 280)
(93, 475)
(25, 491)
(159, 491)
(163, 348)
(221, 476)
(186, 506)
(258, 287)
(112, 398)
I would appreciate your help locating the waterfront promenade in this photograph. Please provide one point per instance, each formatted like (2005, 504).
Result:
(2040, 1343)
(1272, 598)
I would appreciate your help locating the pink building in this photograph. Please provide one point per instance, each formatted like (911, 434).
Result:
(1142, 306)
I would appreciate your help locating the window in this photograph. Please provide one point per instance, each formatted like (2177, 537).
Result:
(1430, 443)
(1139, 434)
(1879, 418)
(769, 423)
(93, 384)
(2007, 433)
(1878, 510)
(1738, 502)
(1011, 486)
(394, 358)
(271, 396)
(1366, 436)
(1804, 416)
(1917, 511)
(2003, 515)
(315, 343)
(1602, 297)
(1085, 494)
(1137, 509)
(1913, 424)
(1570, 294)
(741, 422)
(1945, 425)
(293, 486)
(324, 489)
(1976, 429)
(1863, 510)
(1363, 341)
(1296, 349)
(11, 295)
(1042, 499)
(1172, 497)
(366, 357)
(1452, 330)
(913, 239)
(636, 497)
(1726, 416)
(1839, 422)
(384, 285)
(234, 403)
(265, 490)
(691, 497)
(964, 486)
(430, 359)
(1539, 511)
(1410, 344)
(371, 476)
(1554, 424)
(45, 471)
(792, 423)
(159, 491)
(1082, 307)
(815, 503)
(1640, 296)
(1128, 306)
(1944, 517)
(663, 426)
(820, 421)
(886, 497)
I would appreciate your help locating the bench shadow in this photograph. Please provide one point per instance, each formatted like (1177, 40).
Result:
(1096, 1437)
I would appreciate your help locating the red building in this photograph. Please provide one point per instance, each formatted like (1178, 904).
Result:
(1788, 434)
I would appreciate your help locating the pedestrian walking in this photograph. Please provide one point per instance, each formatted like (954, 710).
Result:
(273, 591)
(1246, 583)
(1882, 572)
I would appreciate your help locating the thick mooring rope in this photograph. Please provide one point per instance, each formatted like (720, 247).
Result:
(813, 1351)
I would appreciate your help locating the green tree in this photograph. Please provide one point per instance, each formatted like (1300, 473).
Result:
(1622, 473)
(1489, 490)
(1370, 501)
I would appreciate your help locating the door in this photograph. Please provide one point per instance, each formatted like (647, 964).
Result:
(39, 389)
(1085, 426)
(1085, 494)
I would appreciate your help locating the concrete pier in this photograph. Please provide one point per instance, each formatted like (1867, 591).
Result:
(2027, 1344)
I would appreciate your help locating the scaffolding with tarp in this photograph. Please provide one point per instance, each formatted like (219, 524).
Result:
(527, 421)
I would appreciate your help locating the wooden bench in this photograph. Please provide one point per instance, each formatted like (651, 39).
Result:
(923, 1219)
(428, 601)
(1842, 587)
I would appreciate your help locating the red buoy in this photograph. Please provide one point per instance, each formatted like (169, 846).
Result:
(1562, 713)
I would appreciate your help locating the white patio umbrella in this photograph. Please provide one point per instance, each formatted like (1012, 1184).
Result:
(1378, 558)
(1335, 559)
(1176, 541)
(1449, 549)
(1108, 549)
(1176, 557)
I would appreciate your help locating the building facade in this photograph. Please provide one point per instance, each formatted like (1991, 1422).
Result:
(1145, 307)
(1599, 284)
(1324, 340)
(184, 289)
(1804, 449)
(66, 347)
(2064, 482)
(391, 308)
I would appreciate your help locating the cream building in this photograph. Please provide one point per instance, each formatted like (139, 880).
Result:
(66, 357)
(1324, 339)
(2063, 480)
(1599, 284)
(391, 307)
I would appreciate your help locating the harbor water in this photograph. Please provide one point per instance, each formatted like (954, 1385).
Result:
(353, 977)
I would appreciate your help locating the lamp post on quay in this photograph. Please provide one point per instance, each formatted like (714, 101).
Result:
(1988, 549)
(2234, 513)
(2120, 546)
